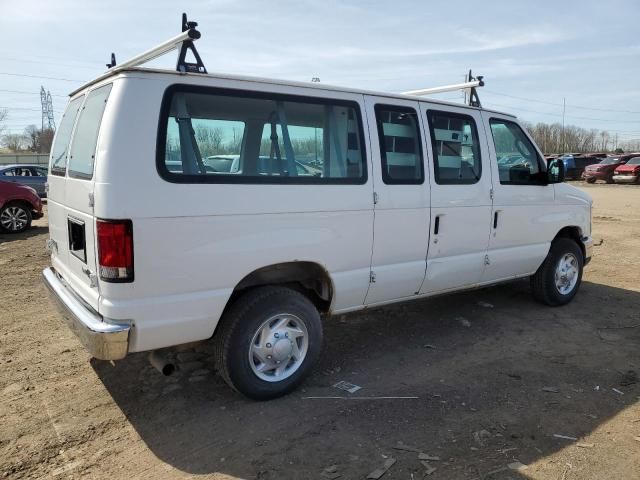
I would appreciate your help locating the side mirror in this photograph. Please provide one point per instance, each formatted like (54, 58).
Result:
(555, 171)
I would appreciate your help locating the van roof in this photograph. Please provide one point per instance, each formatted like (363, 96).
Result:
(317, 85)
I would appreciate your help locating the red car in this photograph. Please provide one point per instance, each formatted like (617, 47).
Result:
(629, 172)
(19, 205)
(604, 170)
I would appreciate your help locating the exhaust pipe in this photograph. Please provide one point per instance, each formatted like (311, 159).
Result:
(161, 363)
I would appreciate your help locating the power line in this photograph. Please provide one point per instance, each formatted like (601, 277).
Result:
(39, 76)
(583, 107)
(21, 60)
(23, 92)
(615, 120)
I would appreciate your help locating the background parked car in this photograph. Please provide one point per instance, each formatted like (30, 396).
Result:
(629, 172)
(604, 170)
(575, 164)
(35, 176)
(19, 204)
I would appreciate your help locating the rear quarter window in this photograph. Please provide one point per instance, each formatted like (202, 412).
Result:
(85, 138)
(63, 137)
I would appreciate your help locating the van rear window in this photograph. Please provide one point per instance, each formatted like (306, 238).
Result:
(85, 138)
(211, 135)
(63, 137)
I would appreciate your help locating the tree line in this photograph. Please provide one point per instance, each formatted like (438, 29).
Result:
(31, 140)
(553, 138)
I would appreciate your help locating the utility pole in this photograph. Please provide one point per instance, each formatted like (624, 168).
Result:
(564, 107)
(48, 122)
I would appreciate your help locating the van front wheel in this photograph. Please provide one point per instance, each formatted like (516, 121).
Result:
(557, 280)
(268, 341)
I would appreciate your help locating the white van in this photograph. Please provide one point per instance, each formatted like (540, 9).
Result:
(186, 206)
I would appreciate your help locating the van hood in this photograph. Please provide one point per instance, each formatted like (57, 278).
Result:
(568, 194)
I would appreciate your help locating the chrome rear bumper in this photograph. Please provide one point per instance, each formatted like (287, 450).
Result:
(103, 339)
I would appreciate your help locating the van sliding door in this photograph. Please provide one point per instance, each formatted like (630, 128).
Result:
(401, 223)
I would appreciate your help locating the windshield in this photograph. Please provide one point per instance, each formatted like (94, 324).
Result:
(634, 161)
(610, 161)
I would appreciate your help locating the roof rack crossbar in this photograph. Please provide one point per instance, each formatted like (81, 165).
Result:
(183, 41)
(469, 87)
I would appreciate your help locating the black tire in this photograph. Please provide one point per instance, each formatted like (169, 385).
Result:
(543, 284)
(24, 211)
(591, 180)
(239, 324)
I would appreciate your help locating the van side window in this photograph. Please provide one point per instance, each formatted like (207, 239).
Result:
(518, 160)
(85, 137)
(210, 135)
(400, 148)
(456, 150)
(63, 137)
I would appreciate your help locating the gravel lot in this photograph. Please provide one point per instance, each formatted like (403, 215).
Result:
(496, 376)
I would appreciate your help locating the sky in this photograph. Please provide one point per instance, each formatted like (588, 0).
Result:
(533, 54)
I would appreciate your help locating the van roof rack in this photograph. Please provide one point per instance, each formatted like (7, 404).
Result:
(184, 41)
(469, 87)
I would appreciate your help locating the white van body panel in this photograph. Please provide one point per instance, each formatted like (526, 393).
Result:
(456, 257)
(401, 229)
(195, 242)
(187, 234)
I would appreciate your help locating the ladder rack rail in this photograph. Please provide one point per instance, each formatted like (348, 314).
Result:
(468, 87)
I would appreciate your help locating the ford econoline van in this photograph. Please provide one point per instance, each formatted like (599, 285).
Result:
(190, 206)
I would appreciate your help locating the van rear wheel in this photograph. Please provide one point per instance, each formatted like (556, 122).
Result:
(268, 341)
(557, 280)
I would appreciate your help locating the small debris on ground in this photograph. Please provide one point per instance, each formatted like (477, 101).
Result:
(430, 346)
(564, 437)
(630, 377)
(347, 387)
(637, 439)
(379, 472)
(480, 436)
(485, 304)
(406, 448)
(463, 321)
(425, 456)
(331, 472)
(517, 466)
(585, 445)
(550, 389)
(428, 469)
(619, 392)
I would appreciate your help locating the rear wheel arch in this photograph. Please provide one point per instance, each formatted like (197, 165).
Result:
(309, 278)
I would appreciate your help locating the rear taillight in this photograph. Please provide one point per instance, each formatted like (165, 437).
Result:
(115, 250)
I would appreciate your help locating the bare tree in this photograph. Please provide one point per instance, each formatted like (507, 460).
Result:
(32, 138)
(13, 141)
(3, 117)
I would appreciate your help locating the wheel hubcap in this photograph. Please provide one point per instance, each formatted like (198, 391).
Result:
(14, 218)
(566, 276)
(278, 347)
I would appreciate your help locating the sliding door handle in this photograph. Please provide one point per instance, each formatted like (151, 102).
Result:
(436, 226)
(495, 220)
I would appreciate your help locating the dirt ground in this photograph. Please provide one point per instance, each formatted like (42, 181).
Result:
(496, 377)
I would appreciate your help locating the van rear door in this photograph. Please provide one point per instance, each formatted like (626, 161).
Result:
(71, 185)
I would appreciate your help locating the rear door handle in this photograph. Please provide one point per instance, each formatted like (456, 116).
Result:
(436, 227)
(495, 220)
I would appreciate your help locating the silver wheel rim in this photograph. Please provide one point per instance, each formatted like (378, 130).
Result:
(278, 347)
(14, 218)
(566, 276)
